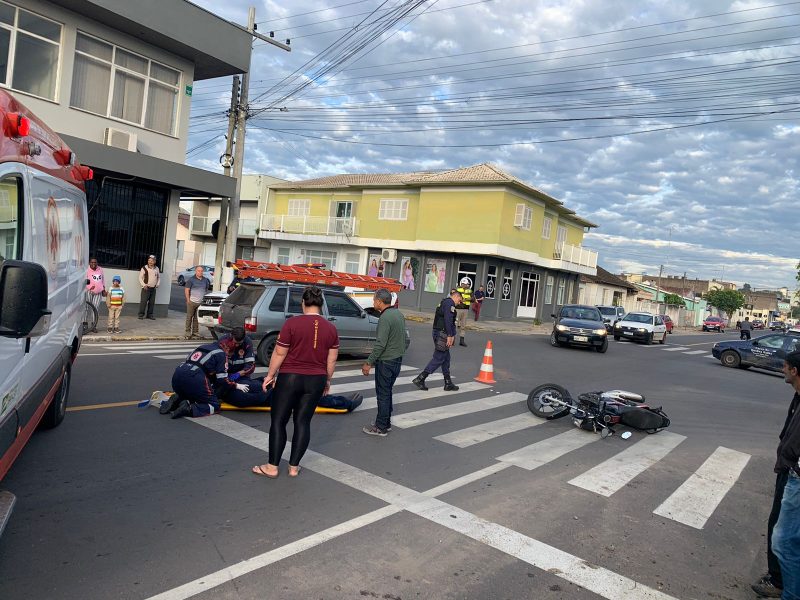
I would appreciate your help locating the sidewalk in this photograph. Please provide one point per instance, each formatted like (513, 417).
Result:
(171, 327)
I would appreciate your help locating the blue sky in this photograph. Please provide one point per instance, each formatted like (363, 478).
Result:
(673, 125)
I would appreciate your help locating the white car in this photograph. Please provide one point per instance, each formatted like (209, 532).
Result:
(208, 271)
(641, 327)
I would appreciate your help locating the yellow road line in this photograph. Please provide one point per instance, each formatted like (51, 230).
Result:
(95, 406)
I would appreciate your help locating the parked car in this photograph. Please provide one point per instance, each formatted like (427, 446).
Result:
(714, 324)
(579, 325)
(764, 352)
(641, 327)
(611, 314)
(262, 309)
(208, 271)
(208, 312)
(758, 324)
(777, 326)
(668, 323)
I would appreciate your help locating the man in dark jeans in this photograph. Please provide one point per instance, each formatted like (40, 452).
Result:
(771, 584)
(387, 358)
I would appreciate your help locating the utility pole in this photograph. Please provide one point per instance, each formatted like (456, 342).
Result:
(226, 161)
(232, 229)
(658, 287)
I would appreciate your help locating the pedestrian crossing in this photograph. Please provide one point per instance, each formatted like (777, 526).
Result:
(691, 504)
(687, 350)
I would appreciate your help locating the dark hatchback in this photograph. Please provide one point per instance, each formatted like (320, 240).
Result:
(579, 325)
(765, 352)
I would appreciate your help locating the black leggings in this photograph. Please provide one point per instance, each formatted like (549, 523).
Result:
(295, 395)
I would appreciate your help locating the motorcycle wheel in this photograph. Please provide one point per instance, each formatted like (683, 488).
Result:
(540, 406)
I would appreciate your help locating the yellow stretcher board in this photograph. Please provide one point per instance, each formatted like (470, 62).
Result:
(319, 409)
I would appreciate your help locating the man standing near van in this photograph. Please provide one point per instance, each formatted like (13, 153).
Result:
(195, 288)
(387, 358)
(149, 279)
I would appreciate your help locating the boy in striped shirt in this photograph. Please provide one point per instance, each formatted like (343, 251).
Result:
(115, 299)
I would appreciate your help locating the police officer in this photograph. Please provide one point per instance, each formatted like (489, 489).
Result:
(462, 309)
(201, 380)
(444, 335)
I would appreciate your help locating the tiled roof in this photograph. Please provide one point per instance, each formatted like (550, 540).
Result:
(350, 180)
(607, 278)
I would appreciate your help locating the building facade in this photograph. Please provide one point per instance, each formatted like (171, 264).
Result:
(429, 230)
(114, 78)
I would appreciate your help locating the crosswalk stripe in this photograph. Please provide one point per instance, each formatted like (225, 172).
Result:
(171, 356)
(710, 356)
(697, 498)
(429, 415)
(354, 372)
(697, 352)
(464, 438)
(369, 383)
(613, 474)
(181, 345)
(416, 395)
(675, 349)
(545, 451)
(185, 349)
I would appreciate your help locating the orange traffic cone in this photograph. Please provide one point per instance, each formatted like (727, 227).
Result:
(486, 374)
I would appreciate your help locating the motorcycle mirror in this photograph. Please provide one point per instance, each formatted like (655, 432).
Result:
(625, 435)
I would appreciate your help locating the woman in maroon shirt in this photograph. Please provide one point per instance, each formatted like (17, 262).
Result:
(305, 354)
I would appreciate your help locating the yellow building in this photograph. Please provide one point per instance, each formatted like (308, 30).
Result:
(431, 229)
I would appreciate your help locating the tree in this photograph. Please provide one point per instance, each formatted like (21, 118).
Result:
(728, 301)
(673, 300)
(746, 288)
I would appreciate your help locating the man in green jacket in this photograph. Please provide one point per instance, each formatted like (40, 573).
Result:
(387, 358)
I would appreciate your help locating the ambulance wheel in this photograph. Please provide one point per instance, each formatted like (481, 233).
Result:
(265, 349)
(58, 407)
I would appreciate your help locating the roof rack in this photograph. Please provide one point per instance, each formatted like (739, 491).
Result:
(312, 275)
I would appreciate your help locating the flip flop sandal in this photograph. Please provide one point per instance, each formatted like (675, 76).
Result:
(295, 473)
(261, 473)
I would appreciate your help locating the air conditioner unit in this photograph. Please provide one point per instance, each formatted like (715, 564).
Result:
(119, 138)
(388, 255)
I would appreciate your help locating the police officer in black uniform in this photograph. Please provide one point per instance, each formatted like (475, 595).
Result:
(444, 334)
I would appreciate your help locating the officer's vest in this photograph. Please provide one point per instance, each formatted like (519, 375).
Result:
(438, 317)
(466, 296)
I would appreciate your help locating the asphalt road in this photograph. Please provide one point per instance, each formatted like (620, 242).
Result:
(121, 502)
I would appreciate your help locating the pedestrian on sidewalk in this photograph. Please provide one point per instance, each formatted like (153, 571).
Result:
(95, 285)
(444, 335)
(194, 289)
(387, 358)
(772, 583)
(786, 534)
(462, 308)
(478, 303)
(115, 300)
(305, 354)
(149, 279)
(746, 329)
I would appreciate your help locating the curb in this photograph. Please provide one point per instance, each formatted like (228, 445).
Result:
(140, 338)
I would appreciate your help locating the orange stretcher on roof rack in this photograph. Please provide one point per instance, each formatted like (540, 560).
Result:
(312, 275)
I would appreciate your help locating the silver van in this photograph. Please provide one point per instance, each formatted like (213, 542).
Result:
(263, 308)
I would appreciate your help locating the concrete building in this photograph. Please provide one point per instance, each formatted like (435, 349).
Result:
(205, 211)
(429, 230)
(677, 284)
(114, 78)
(606, 289)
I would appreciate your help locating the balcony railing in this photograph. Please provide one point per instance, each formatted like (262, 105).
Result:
(576, 255)
(308, 225)
(202, 226)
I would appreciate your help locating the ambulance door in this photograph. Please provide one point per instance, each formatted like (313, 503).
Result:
(12, 352)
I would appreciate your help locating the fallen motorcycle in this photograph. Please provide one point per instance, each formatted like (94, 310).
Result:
(597, 411)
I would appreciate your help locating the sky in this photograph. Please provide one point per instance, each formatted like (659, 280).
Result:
(672, 125)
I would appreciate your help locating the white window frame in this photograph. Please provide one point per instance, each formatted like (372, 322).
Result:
(523, 215)
(548, 289)
(12, 49)
(279, 256)
(547, 226)
(299, 207)
(561, 236)
(562, 287)
(147, 79)
(393, 209)
(352, 262)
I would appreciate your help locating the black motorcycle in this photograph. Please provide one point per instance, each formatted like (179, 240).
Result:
(597, 411)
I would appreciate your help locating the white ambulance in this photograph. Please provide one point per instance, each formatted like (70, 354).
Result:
(43, 259)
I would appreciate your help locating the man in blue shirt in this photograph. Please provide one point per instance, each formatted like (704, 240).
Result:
(444, 334)
(196, 288)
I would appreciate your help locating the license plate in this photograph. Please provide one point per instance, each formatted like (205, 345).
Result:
(627, 333)
(581, 338)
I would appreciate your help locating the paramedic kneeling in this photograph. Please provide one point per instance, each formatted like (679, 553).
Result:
(201, 380)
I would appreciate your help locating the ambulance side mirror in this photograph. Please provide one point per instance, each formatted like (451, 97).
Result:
(23, 299)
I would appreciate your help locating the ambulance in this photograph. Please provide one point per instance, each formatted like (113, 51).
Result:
(43, 259)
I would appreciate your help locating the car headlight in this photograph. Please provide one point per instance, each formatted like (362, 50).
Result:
(562, 327)
(617, 325)
(642, 329)
(600, 331)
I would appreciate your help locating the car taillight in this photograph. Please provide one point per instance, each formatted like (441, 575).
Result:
(250, 323)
